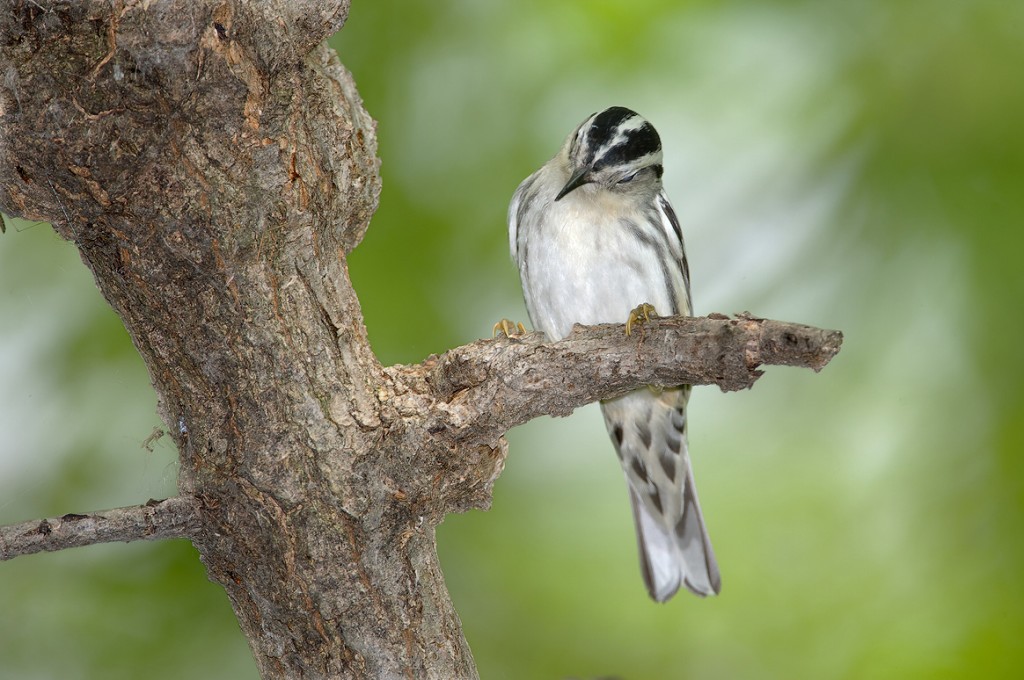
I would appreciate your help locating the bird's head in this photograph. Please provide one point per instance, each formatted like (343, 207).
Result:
(616, 149)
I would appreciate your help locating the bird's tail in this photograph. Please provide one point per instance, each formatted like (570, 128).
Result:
(671, 556)
(649, 431)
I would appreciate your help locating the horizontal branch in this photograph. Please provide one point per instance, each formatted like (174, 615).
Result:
(170, 518)
(512, 380)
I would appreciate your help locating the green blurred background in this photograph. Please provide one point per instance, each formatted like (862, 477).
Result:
(852, 165)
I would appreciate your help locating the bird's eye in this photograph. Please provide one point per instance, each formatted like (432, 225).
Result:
(626, 179)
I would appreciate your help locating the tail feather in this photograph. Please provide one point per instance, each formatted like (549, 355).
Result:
(658, 562)
(671, 557)
(698, 558)
(649, 431)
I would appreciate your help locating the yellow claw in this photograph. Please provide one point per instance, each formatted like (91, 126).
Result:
(509, 328)
(644, 312)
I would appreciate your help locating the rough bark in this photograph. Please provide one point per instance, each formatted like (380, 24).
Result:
(213, 163)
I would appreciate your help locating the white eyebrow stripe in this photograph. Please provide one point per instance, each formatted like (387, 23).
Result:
(647, 159)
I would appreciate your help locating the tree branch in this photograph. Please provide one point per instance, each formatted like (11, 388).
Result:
(600, 362)
(169, 518)
(474, 393)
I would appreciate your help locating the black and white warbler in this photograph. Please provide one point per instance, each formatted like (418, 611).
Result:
(597, 241)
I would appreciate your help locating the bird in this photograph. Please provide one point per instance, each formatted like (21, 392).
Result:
(596, 240)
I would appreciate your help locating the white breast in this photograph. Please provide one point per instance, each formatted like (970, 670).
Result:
(581, 264)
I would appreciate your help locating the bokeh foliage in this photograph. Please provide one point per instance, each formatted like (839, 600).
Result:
(854, 165)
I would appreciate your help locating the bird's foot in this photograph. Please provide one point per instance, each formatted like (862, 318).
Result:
(642, 313)
(509, 328)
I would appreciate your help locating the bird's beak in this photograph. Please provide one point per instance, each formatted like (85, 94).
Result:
(578, 179)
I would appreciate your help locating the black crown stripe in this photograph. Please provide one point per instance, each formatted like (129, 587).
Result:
(640, 142)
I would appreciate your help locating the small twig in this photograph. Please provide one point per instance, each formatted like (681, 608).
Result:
(170, 518)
